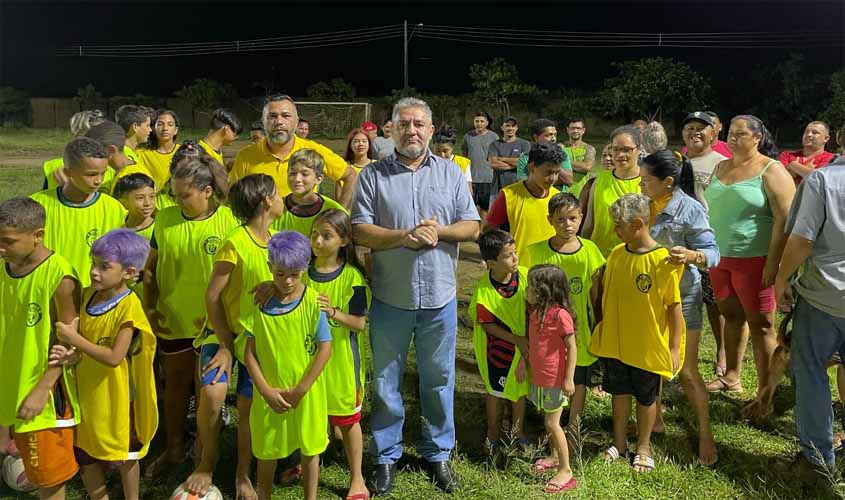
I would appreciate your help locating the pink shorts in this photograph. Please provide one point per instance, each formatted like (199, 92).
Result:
(742, 277)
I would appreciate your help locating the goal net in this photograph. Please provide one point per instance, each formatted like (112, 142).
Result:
(333, 119)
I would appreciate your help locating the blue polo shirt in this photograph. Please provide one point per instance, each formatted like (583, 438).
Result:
(390, 195)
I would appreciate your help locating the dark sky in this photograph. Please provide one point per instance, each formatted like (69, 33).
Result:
(31, 31)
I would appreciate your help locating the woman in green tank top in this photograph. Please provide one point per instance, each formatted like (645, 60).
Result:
(749, 196)
(608, 186)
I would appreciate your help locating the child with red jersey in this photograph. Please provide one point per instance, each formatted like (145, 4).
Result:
(552, 353)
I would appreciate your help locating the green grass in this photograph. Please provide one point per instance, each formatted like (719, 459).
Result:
(754, 463)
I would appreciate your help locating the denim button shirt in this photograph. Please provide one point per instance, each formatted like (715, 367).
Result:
(390, 195)
(683, 222)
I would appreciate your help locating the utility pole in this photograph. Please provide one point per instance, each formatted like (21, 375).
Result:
(405, 39)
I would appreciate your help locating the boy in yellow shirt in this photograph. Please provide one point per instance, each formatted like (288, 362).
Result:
(114, 376)
(303, 204)
(37, 401)
(641, 335)
(136, 124)
(521, 207)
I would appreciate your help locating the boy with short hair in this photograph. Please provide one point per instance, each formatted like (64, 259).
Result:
(239, 266)
(582, 262)
(303, 204)
(113, 139)
(641, 335)
(37, 288)
(498, 310)
(117, 393)
(137, 194)
(136, 124)
(521, 207)
(77, 212)
(286, 352)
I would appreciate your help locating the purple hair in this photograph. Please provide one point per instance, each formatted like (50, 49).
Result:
(123, 246)
(290, 250)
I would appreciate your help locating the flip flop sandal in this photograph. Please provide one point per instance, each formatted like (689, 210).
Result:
(542, 465)
(552, 487)
(359, 496)
(643, 462)
(719, 385)
(612, 454)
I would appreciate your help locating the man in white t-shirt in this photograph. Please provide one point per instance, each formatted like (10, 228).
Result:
(698, 137)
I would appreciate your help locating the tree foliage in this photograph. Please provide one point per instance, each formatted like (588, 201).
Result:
(14, 105)
(651, 87)
(88, 97)
(205, 95)
(498, 82)
(335, 90)
(835, 113)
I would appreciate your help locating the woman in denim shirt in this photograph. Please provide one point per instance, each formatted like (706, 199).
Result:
(679, 223)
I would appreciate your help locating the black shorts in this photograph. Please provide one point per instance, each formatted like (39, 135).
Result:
(481, 192)
(175, 346)
(584, 374)
(624, 380)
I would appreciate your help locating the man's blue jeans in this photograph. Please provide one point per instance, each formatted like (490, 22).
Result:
(433, 332)
(816, 337)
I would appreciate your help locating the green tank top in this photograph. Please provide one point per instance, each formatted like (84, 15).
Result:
(285, 346)
(740, 215)
(25, 328)
(344, 372)
(606, 190)
(511, 312)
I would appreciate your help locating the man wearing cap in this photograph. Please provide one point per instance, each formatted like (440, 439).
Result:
(383, 144)
(503, 155)
(698, 135)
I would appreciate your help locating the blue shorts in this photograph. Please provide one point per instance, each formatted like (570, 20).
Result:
(207, 351)
(692, 304)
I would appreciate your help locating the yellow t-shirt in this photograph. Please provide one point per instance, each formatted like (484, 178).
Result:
(257, 159)
(606, 190)
(217, 155)
(527, 216)
(461, 161)
(638, 289)
(293, 218)
(107, 395)
(130, 153)
(156, 165)
(185, 250)
(71, 229)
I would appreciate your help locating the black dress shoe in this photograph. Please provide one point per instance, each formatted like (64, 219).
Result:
(381, 480)
(443, 477)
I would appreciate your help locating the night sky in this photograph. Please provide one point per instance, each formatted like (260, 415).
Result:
(33, 31)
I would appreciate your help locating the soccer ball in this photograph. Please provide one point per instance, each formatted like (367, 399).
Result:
(15, 476)
(182, 494)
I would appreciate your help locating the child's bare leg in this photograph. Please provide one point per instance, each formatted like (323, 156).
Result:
(6, 438)
(209, 424)
(659, 424)
(353, 445)
(130, 477)
(179, 374)
(266, 471)
(243, 484)
(94, 481)
(646, 416)
(518, 418)
(310, 475)
(557, 439)
(53, 492)
(698, 398)
(576, 405)
(621, 413)
(492, 404)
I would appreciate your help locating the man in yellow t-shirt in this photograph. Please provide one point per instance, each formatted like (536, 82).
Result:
(271, 155)
(641, 335)
(521, 208)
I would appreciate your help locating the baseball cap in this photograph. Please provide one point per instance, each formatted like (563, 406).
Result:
(368, 127)
(510, 119)
(700, 116)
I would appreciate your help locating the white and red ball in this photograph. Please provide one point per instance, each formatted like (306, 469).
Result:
(182, 494)
(14, 475)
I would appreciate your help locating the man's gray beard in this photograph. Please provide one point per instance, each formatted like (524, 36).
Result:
(408, 153)
(279, 138)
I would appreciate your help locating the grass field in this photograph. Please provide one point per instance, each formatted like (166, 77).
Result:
(754, 463)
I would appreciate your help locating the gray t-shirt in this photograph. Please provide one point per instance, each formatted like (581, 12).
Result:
(702, 168)
(476, 147)
(382, 147)
(511, 149)
(818, 214)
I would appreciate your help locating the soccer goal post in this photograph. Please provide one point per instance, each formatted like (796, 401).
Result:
(333, 119)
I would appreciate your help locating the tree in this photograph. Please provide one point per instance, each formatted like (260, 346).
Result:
(205, 95)
(335, 90)
(88, 97)
(651, 87)
(835, 113)
(498, 81)
(14, 105)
